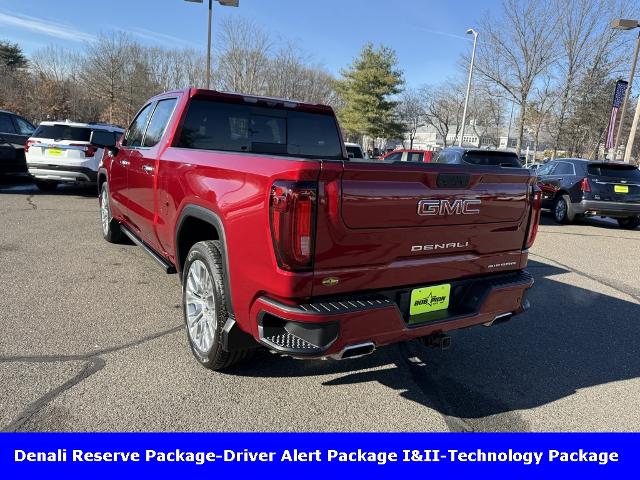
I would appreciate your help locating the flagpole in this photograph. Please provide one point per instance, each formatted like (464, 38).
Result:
(626, 98)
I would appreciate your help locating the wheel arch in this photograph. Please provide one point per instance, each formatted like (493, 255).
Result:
(196, 224)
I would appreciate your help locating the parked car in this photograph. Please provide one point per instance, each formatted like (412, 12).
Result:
(61, 152)
(14, 132)
(573, 187)
(407, 155)
(479, 157)
(355, 151)
(280, 241)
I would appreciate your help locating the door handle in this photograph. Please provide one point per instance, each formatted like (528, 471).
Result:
(147, 168)
(124, 162)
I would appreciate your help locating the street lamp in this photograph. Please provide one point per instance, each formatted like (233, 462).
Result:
(624, 24)
(224, 3)
(471, 31)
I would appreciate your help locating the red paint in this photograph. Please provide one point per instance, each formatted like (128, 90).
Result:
(363, 223)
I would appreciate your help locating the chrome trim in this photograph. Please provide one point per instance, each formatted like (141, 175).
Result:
(340, 354)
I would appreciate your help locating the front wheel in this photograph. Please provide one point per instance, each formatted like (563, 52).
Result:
(562, 212)
(204, 303)
(110, 227)
(629, 223)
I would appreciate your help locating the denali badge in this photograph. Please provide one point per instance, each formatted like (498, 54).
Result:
(447, 207)
(438, 246)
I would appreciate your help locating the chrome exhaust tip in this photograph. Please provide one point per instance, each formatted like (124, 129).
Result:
(354, 351)
(503, 317)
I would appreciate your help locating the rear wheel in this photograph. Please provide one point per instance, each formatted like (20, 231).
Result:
(629, 223)
(562, 212)
(110, 227)
(46, 185)
(204, 303)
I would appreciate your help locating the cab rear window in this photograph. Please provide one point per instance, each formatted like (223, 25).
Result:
(503, 159)
(63, 132)
(215, 125)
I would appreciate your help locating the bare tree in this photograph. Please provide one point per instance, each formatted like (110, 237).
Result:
(412, 113)
(443, 109)
(243, 60)
(516, 49)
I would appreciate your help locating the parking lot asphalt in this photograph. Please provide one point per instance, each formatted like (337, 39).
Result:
(92, 340)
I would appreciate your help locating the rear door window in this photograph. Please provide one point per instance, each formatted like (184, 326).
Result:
(159, 121)
(61, 131)
(564, 168)
(394, 157)
(415, 157)
(216, 125)
(133, 138)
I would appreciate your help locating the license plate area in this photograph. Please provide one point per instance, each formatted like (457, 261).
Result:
(621, 188)
(54, 152)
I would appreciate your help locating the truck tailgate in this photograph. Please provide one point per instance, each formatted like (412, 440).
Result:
(384, 225)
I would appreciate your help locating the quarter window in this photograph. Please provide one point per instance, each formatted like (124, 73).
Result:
(24, 127)
(6, 125)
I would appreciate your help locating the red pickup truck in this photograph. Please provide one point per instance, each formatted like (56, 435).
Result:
(281, 241)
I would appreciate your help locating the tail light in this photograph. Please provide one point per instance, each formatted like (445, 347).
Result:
(27, 144)
(585, 186)
(89, 150)
(536, 207)
(292, 207)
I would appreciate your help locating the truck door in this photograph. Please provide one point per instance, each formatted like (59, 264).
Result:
(142, 174)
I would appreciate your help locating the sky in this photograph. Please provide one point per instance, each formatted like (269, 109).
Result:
(427, 35)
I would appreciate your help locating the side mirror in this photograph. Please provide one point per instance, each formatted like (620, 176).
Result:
(103, 139)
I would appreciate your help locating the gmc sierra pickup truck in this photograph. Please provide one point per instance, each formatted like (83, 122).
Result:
(279, 240)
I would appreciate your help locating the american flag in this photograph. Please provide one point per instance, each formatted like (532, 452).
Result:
(618, 98)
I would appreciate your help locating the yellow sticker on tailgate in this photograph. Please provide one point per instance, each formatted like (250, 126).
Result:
(430, 299)
(54, 152)
(621, 188)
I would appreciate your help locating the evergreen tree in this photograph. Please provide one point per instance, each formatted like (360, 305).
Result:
(11, 55)
(367, 89)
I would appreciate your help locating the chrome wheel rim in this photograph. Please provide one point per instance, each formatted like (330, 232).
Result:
(200, 307)
(561, 209)
(104, 212)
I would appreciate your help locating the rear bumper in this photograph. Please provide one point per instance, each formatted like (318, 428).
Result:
(606, 209)
(329, 325)
(62, 173)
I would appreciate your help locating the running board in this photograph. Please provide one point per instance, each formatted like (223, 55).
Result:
(166, 266)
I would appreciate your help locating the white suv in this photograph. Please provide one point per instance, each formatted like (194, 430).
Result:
(61, 152)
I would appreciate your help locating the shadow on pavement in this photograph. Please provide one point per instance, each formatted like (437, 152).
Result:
(571, 338)
(22, 184)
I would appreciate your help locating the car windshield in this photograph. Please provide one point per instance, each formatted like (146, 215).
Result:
(354, 152)
(215, 125)
(623, 172)
(504, 159)
(63, 132)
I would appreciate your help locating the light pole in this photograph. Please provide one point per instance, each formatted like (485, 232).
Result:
(622, 24)
(466, 98)
(226, 3)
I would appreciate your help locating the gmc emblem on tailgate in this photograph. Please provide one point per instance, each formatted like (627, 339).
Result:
(447, 207)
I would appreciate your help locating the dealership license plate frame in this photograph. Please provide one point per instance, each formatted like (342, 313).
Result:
(427, 299)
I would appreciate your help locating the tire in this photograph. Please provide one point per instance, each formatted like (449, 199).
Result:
(629, 223)
(561, 210)
(110, 227)
(204, 306)
(46, 185)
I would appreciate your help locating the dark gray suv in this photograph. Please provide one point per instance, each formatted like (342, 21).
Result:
(14, 132)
